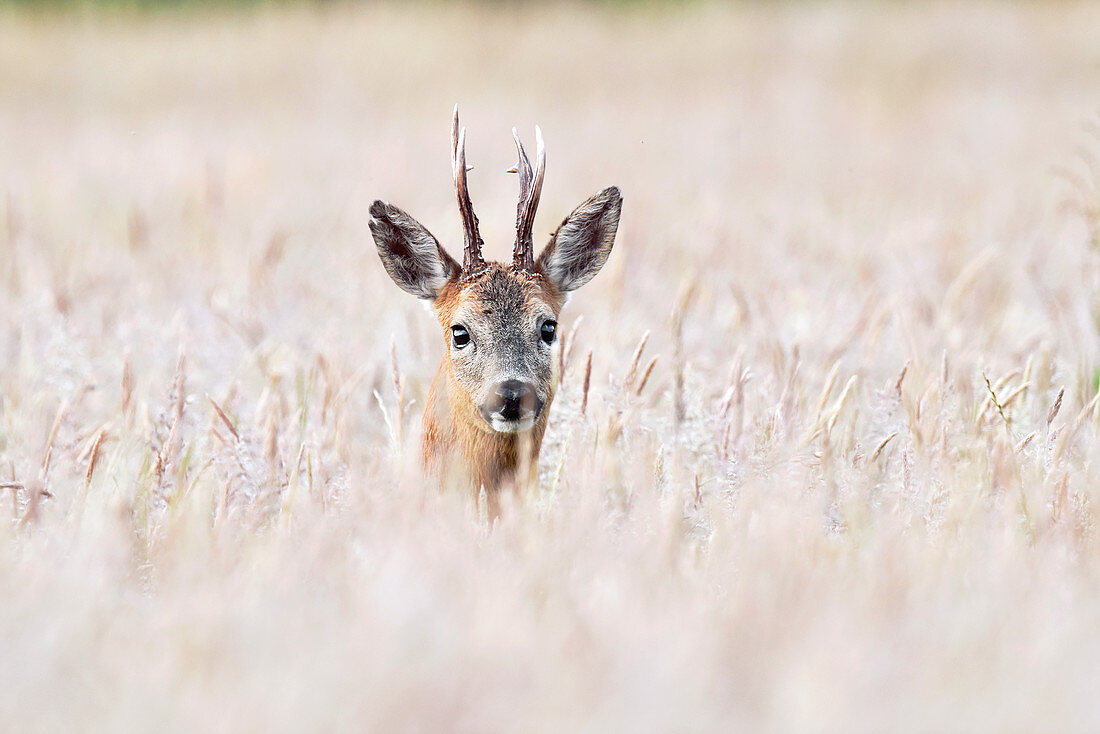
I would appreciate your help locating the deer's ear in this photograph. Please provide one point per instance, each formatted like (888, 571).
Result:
(582, 243)
(412, 256)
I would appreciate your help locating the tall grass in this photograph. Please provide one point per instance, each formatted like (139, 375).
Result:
(824, 455)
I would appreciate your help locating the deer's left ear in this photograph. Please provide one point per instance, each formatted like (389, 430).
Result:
(581, 245)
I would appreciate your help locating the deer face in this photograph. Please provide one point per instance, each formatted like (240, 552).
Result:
(502, 339)
(499, 322)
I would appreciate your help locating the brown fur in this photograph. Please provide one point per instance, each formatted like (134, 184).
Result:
(453, 428)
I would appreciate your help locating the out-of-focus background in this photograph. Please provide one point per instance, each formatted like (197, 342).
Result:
(855, 492)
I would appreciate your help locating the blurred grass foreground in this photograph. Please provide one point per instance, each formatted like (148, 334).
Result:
(854, 494)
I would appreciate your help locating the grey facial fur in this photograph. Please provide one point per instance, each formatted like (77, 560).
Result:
(504, 315)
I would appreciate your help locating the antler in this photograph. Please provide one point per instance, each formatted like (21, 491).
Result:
(530, 189)
(472, 261)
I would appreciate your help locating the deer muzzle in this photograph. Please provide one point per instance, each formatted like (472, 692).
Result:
(512, 406)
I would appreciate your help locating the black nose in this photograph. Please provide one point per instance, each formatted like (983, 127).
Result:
(512, 399)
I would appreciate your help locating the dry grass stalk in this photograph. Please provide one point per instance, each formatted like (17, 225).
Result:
(905, 371)
(635, 359)
(587, 381)
(1011, 397)
(882, 445)
(47, 452)
(645, 375)
(128, 390)
(1064, 437)
(1057, 406)
(565, 354)
(391, 427)
(398, 395)
(1021, 492)
(827, 390)
(679, 311)
(992, 400)
(224, 419)
(93, 456)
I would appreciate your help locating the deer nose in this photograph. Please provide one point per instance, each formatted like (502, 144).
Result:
(513, 400)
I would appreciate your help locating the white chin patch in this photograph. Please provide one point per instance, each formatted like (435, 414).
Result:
(502, 426)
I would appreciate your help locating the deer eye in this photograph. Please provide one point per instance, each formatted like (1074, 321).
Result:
(548, 331)
(460, 336)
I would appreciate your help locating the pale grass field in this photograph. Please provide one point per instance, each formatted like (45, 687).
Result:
(812, 517)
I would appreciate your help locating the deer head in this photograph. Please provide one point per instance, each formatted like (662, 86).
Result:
(499, 322)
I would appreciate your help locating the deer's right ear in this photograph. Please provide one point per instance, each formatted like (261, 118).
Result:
(583, 242)
(412, 256)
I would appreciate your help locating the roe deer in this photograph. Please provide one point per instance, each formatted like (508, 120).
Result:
(489, 401)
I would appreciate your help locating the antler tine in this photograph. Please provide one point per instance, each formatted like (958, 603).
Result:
(472, 261)
(523, 168)
(530, 190)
